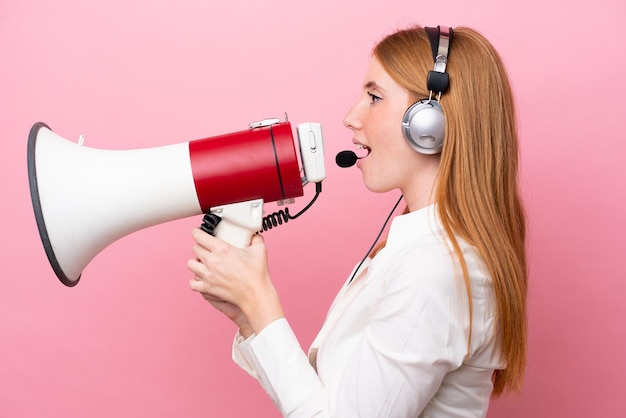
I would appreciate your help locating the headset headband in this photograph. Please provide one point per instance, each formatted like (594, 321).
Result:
(440, 42)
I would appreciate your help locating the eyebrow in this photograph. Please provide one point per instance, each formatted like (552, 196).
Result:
(372, 85)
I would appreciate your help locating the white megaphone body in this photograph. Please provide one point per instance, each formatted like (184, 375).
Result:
(84, 198)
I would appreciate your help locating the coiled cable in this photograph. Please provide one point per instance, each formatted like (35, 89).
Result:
(283, 216)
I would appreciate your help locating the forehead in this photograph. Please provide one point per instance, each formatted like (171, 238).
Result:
(377, 77)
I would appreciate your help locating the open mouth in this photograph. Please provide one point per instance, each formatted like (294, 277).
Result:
(362, 151)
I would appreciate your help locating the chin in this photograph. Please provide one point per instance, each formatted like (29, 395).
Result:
(377, 188)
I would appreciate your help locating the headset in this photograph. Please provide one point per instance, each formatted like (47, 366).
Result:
(423, 123)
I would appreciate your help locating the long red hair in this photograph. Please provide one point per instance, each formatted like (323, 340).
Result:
(477, 192)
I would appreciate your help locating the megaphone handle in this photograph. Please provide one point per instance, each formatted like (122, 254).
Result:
(235, 223)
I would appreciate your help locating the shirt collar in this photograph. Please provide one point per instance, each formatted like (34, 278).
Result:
(411, 226)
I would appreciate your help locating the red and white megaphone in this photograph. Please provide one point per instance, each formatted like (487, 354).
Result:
(85, 198)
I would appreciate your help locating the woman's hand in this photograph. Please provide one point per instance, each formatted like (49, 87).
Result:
(235, 281)
(231, 311)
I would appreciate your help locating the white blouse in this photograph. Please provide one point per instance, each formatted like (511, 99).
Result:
(395, 342)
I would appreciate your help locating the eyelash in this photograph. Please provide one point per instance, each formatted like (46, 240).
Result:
(373, 97)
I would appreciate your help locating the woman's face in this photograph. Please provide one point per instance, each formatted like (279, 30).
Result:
(388, 162)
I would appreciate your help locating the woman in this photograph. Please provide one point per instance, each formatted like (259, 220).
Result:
(434, 322)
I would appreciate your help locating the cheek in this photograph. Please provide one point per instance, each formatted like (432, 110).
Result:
(385, 131)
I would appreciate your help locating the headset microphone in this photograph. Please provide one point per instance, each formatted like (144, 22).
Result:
(346, 159)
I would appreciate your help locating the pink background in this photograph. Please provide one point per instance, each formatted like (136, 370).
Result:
(131, 340)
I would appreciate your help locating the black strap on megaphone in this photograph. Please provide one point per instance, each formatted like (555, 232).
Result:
(209, 223)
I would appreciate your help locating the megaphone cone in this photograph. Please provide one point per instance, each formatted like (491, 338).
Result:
(84, 199)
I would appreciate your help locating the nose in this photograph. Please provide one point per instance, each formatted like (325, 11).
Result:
(351, 120)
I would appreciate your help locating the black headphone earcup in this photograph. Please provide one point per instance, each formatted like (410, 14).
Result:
(424, 126)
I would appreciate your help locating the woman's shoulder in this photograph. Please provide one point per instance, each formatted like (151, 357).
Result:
(430, 261)
(425, 262)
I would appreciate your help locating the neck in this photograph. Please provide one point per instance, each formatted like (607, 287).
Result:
(420, 191)
(419, 203)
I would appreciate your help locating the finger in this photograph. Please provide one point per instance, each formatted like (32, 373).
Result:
(257, 246)
(196, 267)
(206, 240)
(210, 298)
(257, 239)
(200, 252)
(198, 286)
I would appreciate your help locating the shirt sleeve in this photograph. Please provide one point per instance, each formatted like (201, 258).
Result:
(275, 358)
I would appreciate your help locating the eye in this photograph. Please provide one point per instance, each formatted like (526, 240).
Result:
(373, 97)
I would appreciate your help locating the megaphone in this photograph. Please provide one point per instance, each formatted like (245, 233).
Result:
(84, 198)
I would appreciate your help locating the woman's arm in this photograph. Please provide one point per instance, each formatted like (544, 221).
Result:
(414, 337)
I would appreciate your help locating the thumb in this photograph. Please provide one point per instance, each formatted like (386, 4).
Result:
(257, 239)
